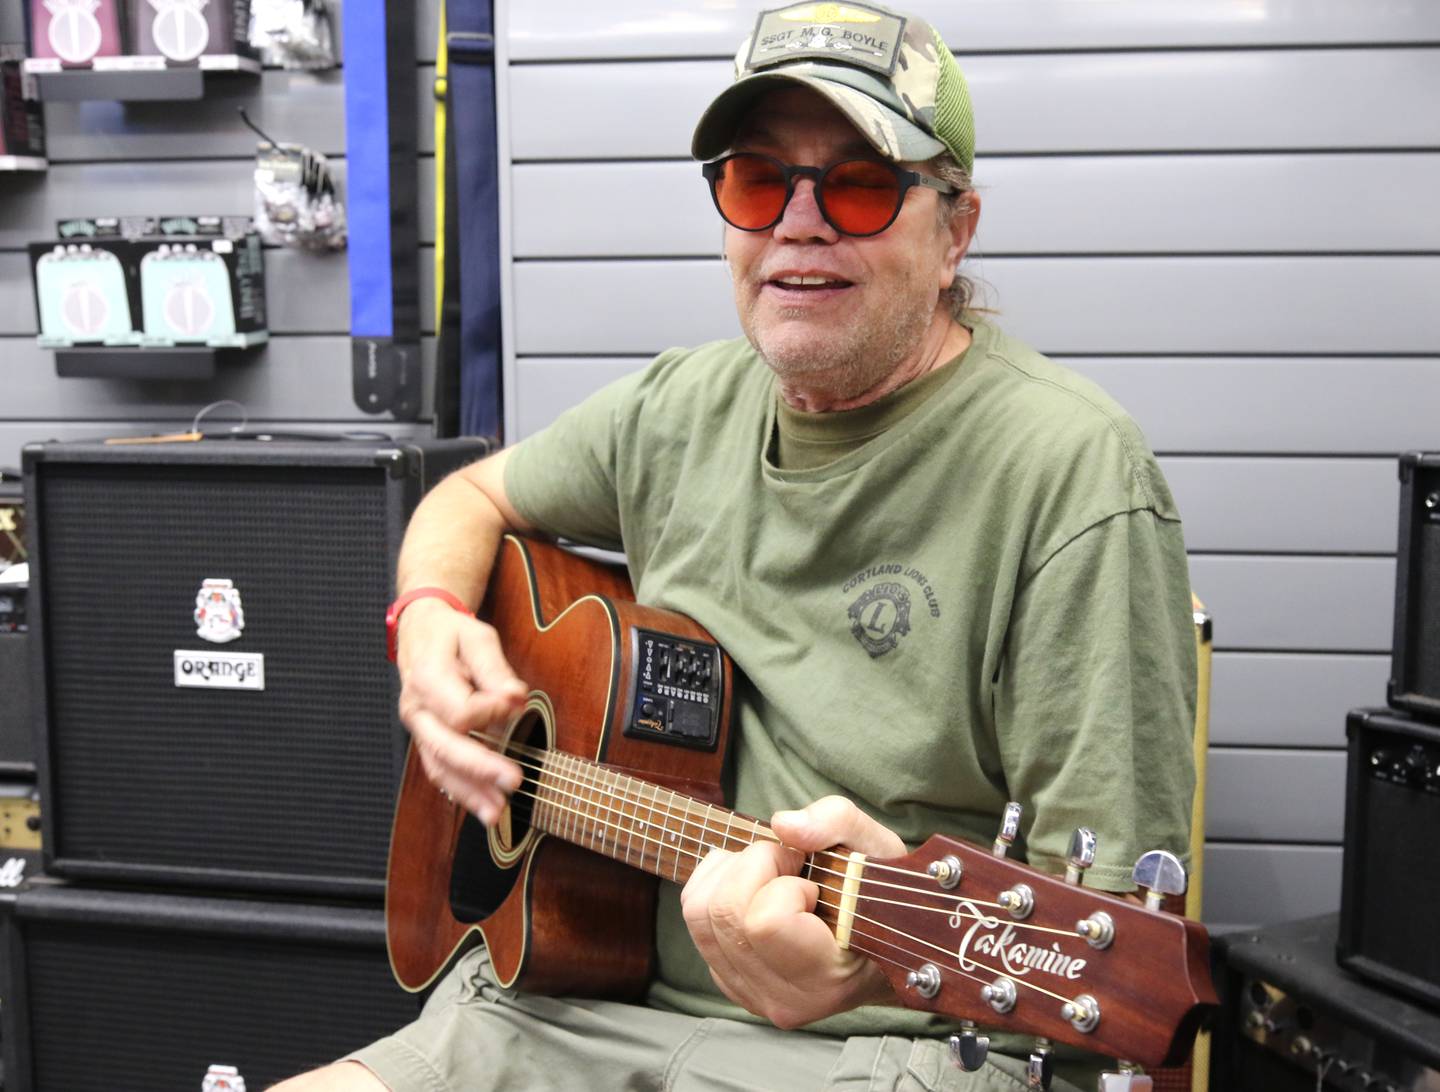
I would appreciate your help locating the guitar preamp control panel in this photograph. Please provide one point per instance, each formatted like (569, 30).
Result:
(679, 686)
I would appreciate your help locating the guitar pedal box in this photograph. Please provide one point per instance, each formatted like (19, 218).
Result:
(213, 704)
(1390, 885)
(182, 31)
(75, 32)
(1292, 1020)
(22, 126)
(84, 293)
(135, 990)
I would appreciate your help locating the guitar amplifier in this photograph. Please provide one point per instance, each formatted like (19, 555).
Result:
(1391, 881)
(1415, 652)
(212, 698)
(124, 989)
(1291, 1020)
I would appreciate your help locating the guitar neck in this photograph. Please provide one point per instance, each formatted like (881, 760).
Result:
(654, 829)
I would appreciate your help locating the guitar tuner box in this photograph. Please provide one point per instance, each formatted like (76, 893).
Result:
(182, 31)
(85, 293)
(75, 32)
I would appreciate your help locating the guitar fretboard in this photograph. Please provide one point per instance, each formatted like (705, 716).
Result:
(654, 829)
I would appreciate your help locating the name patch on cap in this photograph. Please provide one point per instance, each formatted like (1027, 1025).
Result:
(853, 34)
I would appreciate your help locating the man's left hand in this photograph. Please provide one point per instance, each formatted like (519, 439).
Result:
(751, 916)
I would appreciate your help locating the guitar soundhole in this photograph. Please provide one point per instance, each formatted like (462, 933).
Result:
(487, 863)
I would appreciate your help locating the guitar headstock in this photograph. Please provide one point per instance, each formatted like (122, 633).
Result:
(970, 934)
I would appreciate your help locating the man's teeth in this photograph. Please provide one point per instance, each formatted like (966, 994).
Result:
(806, 281)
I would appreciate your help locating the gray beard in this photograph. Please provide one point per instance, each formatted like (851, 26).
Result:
(856, 360)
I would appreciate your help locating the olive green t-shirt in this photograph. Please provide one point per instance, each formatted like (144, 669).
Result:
(986, 601)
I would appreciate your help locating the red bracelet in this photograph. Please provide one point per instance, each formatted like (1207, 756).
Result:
(392, 615)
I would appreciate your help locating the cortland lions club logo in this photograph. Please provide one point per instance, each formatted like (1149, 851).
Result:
(218, 614)
(223, 1078)
(880, 617)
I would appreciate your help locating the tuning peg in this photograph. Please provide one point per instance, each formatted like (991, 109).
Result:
(1009, 828)
(1160, 873)
(1082, 854)
(925, 981)
(968, 1049)
(1041, 1066)
(946, 871)
(1019, 900)
(1126, 1080)
(1000, 995)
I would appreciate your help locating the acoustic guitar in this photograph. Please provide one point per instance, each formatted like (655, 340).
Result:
(623, 741)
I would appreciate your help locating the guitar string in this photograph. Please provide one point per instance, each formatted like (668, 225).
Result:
(704, 825)
(825, 887)
(679, 852)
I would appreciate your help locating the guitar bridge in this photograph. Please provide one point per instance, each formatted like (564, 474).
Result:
(678, 690)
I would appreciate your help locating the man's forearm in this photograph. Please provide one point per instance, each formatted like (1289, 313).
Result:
(455, 531)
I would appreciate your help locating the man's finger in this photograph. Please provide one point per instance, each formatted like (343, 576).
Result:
(834, 820)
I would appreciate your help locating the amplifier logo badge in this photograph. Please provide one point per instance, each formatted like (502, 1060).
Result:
(223, 1078)
(220, 670)
(218, 614)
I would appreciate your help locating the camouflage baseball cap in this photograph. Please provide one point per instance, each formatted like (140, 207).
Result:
(891, 75)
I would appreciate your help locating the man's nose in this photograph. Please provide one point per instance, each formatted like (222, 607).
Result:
(802, 219)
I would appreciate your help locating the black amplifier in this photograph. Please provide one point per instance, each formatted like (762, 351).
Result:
(1292, 1020)
(1390, 892)
(1415, 651)
(213, 700)
(125, 989)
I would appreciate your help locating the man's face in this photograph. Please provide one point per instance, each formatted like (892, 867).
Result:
(879, 293)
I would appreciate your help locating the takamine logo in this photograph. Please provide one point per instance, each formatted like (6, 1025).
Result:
(1016, 959)
(220, 670)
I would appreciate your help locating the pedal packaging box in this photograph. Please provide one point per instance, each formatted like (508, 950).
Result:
(75, 32)
(212, 700)
(85, 292)
(182, 31)
(22, 129)
(202, 282)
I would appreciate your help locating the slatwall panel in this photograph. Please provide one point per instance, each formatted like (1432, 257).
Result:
(1220, 211)
(146, 157)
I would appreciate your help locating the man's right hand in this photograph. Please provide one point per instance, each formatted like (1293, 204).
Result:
(456, 683)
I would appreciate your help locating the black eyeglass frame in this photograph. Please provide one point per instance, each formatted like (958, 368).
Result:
(906, 179)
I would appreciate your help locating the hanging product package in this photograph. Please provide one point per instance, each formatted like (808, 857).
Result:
(293, 33)
(295, 200)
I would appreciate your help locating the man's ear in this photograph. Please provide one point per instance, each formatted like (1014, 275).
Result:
(963, 226)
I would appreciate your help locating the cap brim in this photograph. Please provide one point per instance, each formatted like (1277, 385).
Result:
(892, 135)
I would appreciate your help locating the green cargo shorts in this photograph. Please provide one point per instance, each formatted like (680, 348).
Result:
(474, 1037)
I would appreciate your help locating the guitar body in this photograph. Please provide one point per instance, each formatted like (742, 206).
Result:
(557, 918)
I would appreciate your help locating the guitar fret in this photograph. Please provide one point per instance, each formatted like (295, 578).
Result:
(657, 839)
(729, 818)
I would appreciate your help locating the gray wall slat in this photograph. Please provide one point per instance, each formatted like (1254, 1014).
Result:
(1234, 406)
(1308, 405)
(219, 186)
(1112, 305)
(1298, 604)
(658, 28)
(1054, 205)
(287, 377)
(293, 107)
(1298, 505)
(1254, 794)
(1264, 884)
(1265, 100)
(306, 293)
(1289, 700)
(14, 435)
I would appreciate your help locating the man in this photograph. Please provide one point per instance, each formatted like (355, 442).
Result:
(949, 572)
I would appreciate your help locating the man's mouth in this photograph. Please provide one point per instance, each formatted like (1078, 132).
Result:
(807, 283)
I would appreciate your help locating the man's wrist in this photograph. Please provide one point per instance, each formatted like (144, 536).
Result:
(402, 604)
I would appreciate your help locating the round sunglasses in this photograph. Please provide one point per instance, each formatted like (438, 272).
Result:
(856, 196)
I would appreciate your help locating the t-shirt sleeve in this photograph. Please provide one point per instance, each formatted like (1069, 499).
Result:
(1094, 702)
(563, 479)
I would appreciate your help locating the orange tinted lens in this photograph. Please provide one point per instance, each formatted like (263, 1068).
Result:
(860, 196)
(750, 191)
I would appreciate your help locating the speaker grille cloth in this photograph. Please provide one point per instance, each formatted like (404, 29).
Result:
(297, 779)
(133, 1008)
